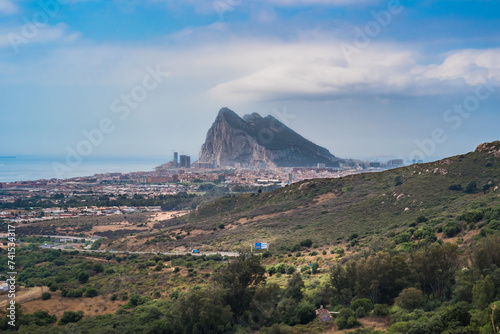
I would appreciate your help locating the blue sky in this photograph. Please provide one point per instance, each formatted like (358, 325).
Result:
(363, 78)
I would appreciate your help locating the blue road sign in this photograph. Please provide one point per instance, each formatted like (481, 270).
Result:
(258, 245)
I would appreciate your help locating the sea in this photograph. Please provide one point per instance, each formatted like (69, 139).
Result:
(29, 168)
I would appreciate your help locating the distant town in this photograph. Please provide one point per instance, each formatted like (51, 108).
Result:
(66, 198)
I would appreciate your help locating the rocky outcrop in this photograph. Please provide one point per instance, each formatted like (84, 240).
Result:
(259, 141)
(490, 148)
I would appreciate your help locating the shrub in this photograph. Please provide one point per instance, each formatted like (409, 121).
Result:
(75, 293)
(471, 188)
(266, 254)
(305, 269)
(398, 180)
(381, 310)
(410, 299)
(472, 216)
(345, 312)
(314, 267)
(341, 323)
(360, 312)
(70, 316)
(271, 270)
(421, 219)
(352, 322)
(113, 297)
(46, 295)
(91, 292)
(281, 268)
(98, 268)
(83, 277)
(53, 287)
(451, 229)
(290, 269)
(306, 243)
(455, 187)
(365, 303)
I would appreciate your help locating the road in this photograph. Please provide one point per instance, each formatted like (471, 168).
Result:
(228, 254)
(68, 237)
(62, 247)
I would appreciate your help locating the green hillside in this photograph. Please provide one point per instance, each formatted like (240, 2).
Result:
(329, 211)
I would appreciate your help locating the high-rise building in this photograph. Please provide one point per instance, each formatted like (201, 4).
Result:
(185, 161)
(176, 160)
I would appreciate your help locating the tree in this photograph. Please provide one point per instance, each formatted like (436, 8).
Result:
(83, 277)
(364, 303)
(381, 277)
(410, 299)
(98, 267)
(343, 281)
(271, 270)
(306, 313)
(471, 188)
(239, 279)
(290, 269)
(435, 266)
(263, 309)
(314, 267)
(46, 295)
(295, 287)
(487, 254)
(483, 292)
(201, 311)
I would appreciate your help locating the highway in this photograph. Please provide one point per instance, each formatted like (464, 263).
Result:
(61, 247)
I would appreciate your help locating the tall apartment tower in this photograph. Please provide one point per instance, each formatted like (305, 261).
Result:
(185, 161)
(176, 159)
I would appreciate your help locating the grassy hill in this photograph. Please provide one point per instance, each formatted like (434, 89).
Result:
(331, 211)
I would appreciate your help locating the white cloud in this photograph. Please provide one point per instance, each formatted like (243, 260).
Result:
(236, 70)
(309, 71)
(8, 7)
(16, 38)
(471, 66)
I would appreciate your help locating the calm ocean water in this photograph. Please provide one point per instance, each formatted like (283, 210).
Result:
(25, 168)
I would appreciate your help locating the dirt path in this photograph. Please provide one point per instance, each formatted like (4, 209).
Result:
(89, 306)
(377, 323)
(23, 295)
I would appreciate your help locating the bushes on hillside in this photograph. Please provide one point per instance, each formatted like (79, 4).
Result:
(410, 299)
(70, 316)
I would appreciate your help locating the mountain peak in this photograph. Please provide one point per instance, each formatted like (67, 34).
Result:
(255, 141)
(252, 117)
(227, 113)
